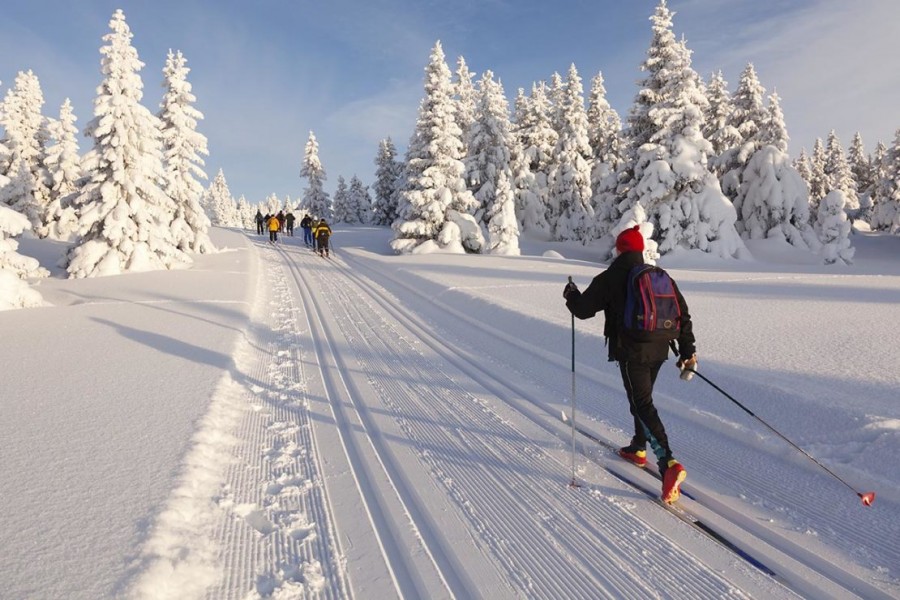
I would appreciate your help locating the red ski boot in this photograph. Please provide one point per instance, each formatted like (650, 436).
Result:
(672, 478)
(634, 455)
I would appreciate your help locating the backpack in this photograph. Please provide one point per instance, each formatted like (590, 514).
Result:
(652, 312)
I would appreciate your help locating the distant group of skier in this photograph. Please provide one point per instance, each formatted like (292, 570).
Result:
(316, 232)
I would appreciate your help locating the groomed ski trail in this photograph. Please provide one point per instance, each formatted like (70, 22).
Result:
(454, 467)
(804, 568)
(356, 450)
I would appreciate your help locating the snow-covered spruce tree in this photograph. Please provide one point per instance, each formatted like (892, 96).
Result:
(747, 117)
(570, 178)
(669, 173)
(860, 165)
(315, 199)
(878, 162)
(387, 182)
(220, 203)
(183, 148)
(488, 163)
(435, 204)
(339, 202)
(124, 214)
(359, 201)
(886, 207)
(63, 163)
(534, 129)
(28, 191)
(466, 101)
(273, 204)
(818, 180)
(14, 267)
(718, 127)
(246, 213)
(837, 170)
(801, 164)
(605, 138)
(529, 209)
(555, 93)
(774, 196)
(833, 228)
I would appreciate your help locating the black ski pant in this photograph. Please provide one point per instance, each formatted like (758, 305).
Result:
(259, 227)
(273, 235)
(639, 379)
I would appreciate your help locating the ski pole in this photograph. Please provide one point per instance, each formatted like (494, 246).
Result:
(573, 483)
(867, 497)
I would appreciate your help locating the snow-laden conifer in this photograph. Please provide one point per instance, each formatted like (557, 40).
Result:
(605, 138)
(570, 178)
(436, 205)
(860, 165)
(246, 213)
(801, 164)
(747, 117)
(14, 267)
(63, 163)
(339, 202)
(466, 101)
(833, 228)
(774, 196)
(387, 183)
(359, 202)
(315, 199)
(886, 209)
(556, 95)
(838, 173)
(273, 204)
(221, 207)
(28, 191)
(124, 214)
(488, 163)
(818, 180)
(183, 149)
(529, 209)
(718, 125)
(537, 136)
(670, 177)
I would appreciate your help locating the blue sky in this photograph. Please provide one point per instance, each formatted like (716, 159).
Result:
(267, 72)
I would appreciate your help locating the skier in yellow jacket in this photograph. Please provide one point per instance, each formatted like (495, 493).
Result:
(274, 226)
(321, 233)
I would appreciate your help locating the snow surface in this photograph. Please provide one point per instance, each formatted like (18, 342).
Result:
(268, 423)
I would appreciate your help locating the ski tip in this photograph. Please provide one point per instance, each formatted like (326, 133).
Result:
(868, 498)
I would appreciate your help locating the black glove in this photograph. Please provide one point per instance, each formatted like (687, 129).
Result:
(570, 289)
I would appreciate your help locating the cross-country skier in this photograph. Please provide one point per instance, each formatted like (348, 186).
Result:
(274, 226)
(322, 233)
(306, 224)
(639, 362)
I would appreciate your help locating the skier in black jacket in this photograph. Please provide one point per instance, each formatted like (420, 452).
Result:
(639, 362)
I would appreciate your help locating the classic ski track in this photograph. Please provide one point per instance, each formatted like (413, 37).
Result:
(278, 533)
(557, 554)
(705, 502)
(397, 526)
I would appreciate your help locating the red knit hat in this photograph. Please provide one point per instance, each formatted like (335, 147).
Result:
(630, 240)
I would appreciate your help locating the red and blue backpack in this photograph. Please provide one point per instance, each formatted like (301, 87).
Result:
(652, 312)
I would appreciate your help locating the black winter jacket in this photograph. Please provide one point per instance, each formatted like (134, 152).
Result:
(607, 293)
